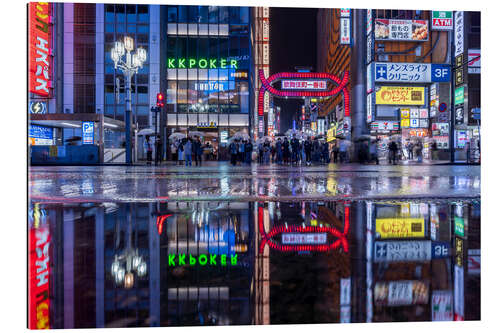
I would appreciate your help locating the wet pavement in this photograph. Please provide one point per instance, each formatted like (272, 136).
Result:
(221, 181)
(118, 246)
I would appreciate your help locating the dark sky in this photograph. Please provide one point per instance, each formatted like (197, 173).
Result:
(293, 43)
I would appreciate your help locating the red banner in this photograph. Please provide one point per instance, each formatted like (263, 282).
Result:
(38, 279)
(39, 48)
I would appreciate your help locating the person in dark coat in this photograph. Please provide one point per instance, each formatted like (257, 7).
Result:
(393, 152)
(286, 151)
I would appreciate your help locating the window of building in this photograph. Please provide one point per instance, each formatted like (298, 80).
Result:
(213, 14)
(172, 13)
(143, 13)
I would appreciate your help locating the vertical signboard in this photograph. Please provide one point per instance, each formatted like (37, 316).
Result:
(39, 51)
(459, 293)
(88, 132)
(369, 21)
(442, 302)
(345, 31)
(39, 273)
(345, 300)
(459, 33)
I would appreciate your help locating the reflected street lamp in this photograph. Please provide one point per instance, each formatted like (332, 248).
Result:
(129, 66)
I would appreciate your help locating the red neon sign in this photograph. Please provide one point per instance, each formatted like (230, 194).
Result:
(266, 86)
(267, 238)
(39, 48)
(160, 219)
(39, 273)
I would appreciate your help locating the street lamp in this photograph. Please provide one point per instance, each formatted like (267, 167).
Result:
(129, 66)
(126, 266)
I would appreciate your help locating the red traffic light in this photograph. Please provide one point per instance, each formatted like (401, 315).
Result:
(159, 99)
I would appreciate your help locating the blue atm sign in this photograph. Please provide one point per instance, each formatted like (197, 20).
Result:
(411, 72)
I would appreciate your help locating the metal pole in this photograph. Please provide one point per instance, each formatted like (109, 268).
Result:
(451, 138)
(128, 111)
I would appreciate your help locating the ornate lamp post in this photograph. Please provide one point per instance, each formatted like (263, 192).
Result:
(129, 66)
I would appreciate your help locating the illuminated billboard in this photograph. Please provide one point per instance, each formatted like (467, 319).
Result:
(389, 95)
(39, 48)
(400, 227)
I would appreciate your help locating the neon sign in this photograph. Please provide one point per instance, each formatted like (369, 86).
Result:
(202, 260)
(266, 86)
(202, 63)
(39, 48)
(314, 245)
(39, 273)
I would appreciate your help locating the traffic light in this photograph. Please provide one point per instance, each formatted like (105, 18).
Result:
(159, 100)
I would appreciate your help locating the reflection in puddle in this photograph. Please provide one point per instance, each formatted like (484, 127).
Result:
(239, 263)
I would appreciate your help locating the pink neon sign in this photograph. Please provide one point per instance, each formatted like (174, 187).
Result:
(266, 86)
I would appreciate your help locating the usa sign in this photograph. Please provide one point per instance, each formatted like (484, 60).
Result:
(442, 20)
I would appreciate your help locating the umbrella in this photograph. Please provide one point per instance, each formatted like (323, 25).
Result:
(146, 131)
(241, 135)
(73, 138)
(264, 138)
(196, 133)
(177, 135)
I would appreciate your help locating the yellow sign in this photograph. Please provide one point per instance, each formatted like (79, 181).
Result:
(400, 227)
(313, 125)
(405, 113)
(400, 95)
(405, 123)
(330, 134)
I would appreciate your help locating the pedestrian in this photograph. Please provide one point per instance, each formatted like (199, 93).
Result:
(260, 148)
(374, 152)
(180, 151)
(409, 149)
(326, 156)
(418, 150)
(295, 149)
(197, 151)
(434, 150)
(279, 151)
(248, 152)
(188, 152)
(335, 150)
(467, 152)
(173, 149)
(267, 151)
(273, 153)
(286, 151)
(159, 151)
(241, 152)
(233, 150)
(393, 150)
(148, 148)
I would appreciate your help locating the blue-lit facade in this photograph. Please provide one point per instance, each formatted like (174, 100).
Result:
(205, 69)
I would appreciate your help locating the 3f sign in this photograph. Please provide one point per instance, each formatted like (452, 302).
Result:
(441, 72)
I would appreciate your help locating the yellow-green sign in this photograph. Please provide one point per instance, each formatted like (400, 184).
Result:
(389, 95)
(400, 227)
(459, 95)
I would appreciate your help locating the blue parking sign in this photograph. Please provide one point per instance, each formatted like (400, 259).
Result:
(88, 132)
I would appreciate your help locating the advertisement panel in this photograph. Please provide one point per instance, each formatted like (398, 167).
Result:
(385, 125)
(440, 250)
(389, 95)
(474, 61)
(459, 95)
(40, 135)
(459, 226)
(442, 302)
(345, 31)
(401, 251)
(39, 48)
(400, 227)
(303, 84)
(38, 279)
(369, 108)
(411, 72)
(442, 20)
(459, 33)
(459, 293)
(345, 12)
(401, 293)
(408, 30)
(330, 134)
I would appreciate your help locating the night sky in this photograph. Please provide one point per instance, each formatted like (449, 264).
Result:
(293, 43)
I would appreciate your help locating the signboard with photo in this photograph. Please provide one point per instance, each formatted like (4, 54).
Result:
(459, 95)
(409, 30)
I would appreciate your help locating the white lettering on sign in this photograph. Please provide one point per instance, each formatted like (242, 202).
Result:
(459, 33)
(303, 84)
(296, 238)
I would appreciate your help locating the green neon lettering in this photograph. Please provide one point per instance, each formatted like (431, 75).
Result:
(202, 259)
(212, 259)
(212, 63)
(192, 260)
(234, 260)
(171, 261)
(171, 63)
(234, 63)
(223, 260)
(192, 63)
(181, 63)
(203, 63)
(182, 259)
(223, 63)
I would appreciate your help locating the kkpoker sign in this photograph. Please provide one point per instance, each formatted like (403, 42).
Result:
(411, 72)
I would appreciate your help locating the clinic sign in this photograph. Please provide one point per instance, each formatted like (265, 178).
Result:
(39, 51)
(391, 95)
(402, 251)
(181, 63)
(88, 132)
(412, 72)
(442, 20)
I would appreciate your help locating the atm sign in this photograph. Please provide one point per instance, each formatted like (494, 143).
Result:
(442, 20)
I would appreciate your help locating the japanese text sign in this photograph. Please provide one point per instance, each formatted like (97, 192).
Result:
(442, 20)
(303, 84)
(39, 48)
(400, 95)
(411, 72)
(410, 30)
(406, 227)
(459, 33)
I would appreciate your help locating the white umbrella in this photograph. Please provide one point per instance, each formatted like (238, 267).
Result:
(264, 138)
(177, 135)
(241, 135)
(146, 131)
(196, 133)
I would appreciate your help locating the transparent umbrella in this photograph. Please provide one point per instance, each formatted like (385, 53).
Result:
(177, 135)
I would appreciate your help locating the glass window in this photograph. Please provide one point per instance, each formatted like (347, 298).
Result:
(171, 47)
(191, 49)
(143, 110)
(143, 28)
(109, 69)
(203, 12)
(142, 11)
(213, 29)
(172, 74)
(223, 48)
(120, 28)
(109, 27)
(143, 39)
(213, 74)
(214, 48)
(213, 97)
(234, 14)
(193, 29)
(239, 29)
(142, 78)
(172, 13)
(109, 98)
(202, 93)
(109, 13)
(144, 69)
(143, 96)
(192, 13)
(213, 14)
(182, 92)
(131, 28)
(131, 13)
(233, 92)
(120, 13)
(192, 92)
(181, 47)
(182, 29)
(202, 29)
(183, 14)
(203, 48)
(171, 92)
(109, 111)
(223, 29)
(172, 28)
(223, 15)
(234, 46)
(244, 97)
(109, 38)
(244, 14)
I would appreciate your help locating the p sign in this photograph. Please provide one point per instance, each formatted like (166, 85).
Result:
(88, 132)
(440, 73)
